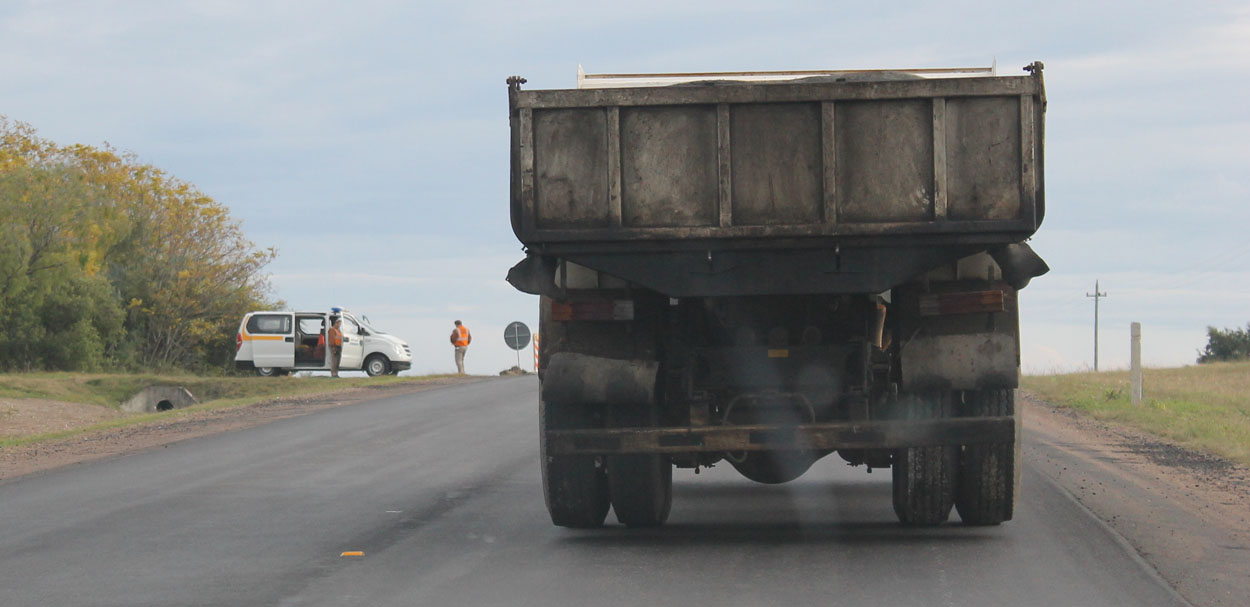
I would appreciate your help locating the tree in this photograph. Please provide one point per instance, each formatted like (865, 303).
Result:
(106, 262)
(56, 312)
(1226, 344)
(187, 274)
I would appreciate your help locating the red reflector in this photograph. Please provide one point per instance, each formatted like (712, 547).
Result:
(962, 303)
(561, 311)
(600, 309)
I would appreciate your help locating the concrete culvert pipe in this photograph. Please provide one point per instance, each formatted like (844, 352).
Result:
(159, 398)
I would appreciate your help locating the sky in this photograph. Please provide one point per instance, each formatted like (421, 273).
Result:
(368, 141)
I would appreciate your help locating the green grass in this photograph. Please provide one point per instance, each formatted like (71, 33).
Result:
(111, 390)
(1205, 407)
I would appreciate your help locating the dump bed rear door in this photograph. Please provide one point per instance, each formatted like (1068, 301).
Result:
(941, 160)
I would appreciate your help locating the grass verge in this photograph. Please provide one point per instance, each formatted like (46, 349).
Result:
(111, 390)
(1204, 407)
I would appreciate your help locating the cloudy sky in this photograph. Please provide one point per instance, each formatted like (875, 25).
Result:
(368, 141)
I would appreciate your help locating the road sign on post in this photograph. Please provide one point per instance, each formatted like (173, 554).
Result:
(517, 336)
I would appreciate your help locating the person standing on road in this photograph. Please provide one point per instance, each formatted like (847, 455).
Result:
(460, 338)
(335, 338)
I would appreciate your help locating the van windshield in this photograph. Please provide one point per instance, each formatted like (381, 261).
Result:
(364, 322)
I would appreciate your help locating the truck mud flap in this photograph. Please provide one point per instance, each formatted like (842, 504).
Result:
(886, 434)
(596, 381)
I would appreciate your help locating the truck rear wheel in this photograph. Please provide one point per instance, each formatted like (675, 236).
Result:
(989, 473)
(641, 486)
(924, 477)
(575, 486)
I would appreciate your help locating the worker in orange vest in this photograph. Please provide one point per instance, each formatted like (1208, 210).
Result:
(460, 338)
(335, 335)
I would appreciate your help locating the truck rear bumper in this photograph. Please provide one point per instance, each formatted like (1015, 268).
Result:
(884, 434)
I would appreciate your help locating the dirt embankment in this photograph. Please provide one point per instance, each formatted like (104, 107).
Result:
(1186, 513)
(30, 417)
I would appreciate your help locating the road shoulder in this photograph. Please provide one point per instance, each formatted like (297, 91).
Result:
(47, 455)
(1186, 513)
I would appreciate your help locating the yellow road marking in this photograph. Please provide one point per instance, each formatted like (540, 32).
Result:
(353, 553)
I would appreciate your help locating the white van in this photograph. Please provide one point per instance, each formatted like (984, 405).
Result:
(276, 343)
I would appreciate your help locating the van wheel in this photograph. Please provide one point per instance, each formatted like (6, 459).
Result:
(377, 365)
(270, 372)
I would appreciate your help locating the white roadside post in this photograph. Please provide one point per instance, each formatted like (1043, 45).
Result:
(1135, 371)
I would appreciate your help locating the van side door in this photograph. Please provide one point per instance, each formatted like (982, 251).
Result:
(353, 345)
(273, 339)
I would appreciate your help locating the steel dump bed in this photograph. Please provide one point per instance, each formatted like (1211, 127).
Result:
(937, 160)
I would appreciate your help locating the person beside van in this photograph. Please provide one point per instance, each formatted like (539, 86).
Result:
(460, 339)
(335, 338)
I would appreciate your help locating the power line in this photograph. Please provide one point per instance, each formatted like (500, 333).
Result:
(1199, 271)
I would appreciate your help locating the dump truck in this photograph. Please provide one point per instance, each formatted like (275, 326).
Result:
(764, 269)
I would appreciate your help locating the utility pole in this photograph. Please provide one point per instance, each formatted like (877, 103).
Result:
(1096, 295)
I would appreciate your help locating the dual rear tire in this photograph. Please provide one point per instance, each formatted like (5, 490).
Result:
(641, 486)
(989, 473)
(574, 486)
(980, 481)
(579, 489)
(924, 478)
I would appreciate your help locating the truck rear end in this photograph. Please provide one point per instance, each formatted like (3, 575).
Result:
(766, 269)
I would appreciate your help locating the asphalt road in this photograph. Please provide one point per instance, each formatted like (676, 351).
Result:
(440, 492)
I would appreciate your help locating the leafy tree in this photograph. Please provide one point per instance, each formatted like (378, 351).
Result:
(106, 262)
(1226, 344)
(186, 273)
(82, 324)
(56, 313)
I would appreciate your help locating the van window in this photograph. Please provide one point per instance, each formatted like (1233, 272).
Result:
(279, 324)
(311, 326)
(364, 323)
(349, 327)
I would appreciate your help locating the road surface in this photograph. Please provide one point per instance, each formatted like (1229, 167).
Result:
(440, 492)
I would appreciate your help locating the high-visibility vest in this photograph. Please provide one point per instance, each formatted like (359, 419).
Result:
(462, 339)
(336, 337)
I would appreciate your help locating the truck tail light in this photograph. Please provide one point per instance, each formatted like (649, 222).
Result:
(238, 341)
(598, 309)
(962, 303)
